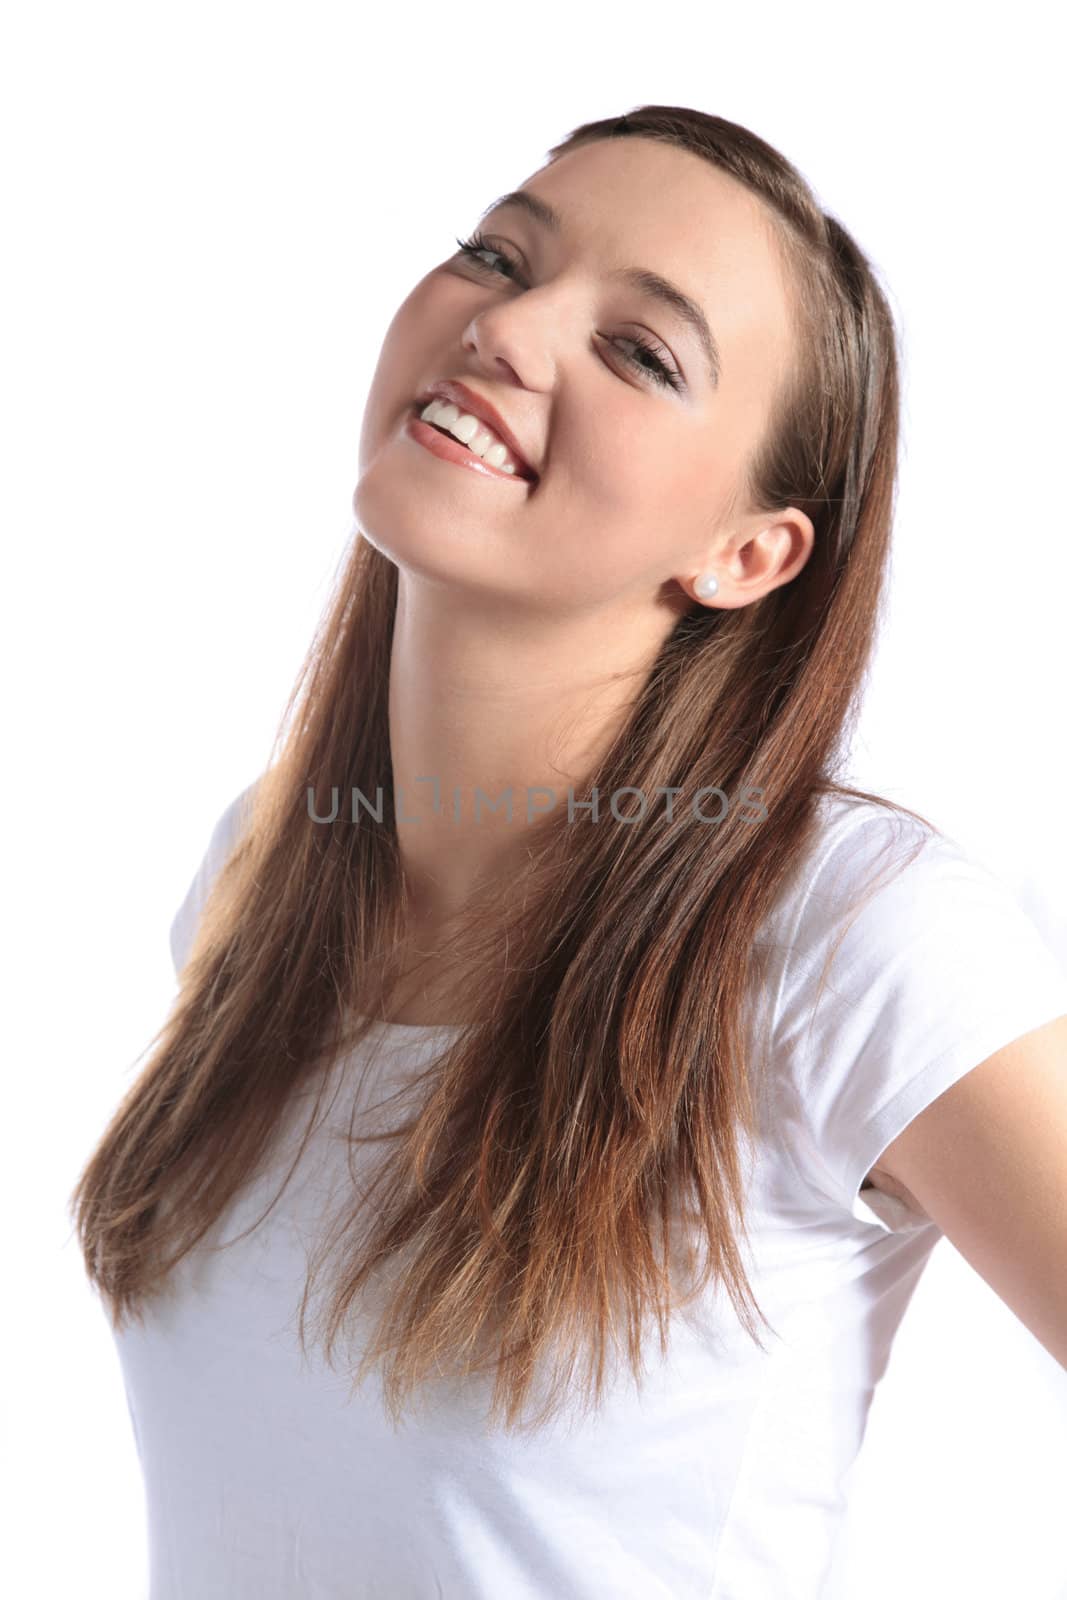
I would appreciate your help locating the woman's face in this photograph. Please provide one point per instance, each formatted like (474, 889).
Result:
(635, 475)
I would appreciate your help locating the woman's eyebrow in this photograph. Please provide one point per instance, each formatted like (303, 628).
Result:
(639, 278)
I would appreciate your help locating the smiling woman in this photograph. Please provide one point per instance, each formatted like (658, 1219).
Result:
(724, 1084)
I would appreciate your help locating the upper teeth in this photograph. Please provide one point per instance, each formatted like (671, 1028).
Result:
(472, 432)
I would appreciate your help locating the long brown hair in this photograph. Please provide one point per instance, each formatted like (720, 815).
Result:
(609, 1069)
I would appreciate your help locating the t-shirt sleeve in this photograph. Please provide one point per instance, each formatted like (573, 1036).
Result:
(899, 979)
(223, 838)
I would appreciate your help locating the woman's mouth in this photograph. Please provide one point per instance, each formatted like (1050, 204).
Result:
(473, 444)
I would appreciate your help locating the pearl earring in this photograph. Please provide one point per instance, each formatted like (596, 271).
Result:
(706, 586)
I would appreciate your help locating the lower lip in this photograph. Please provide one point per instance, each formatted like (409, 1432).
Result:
(449, 449)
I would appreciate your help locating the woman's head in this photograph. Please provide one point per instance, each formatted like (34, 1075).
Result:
(642, 454)
(611, 1071)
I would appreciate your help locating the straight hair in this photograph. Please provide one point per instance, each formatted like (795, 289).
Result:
(611, 1068)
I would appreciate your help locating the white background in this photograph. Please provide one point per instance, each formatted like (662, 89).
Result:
(211, 212)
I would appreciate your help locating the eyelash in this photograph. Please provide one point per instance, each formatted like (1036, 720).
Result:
(660, 373)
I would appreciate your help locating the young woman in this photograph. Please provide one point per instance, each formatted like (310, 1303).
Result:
(520, 1200)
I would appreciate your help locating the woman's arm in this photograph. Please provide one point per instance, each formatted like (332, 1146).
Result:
(987, 1162)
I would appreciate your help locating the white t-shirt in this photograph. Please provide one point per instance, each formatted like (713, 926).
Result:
(725, 1477)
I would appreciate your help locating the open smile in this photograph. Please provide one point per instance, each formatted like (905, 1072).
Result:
(447, 448)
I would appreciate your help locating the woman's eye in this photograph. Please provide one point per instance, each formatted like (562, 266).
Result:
(645, 358)
(657, 370)
(475, 247)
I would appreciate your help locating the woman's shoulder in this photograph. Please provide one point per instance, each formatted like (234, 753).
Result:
(854, 824)
(858, 843)
(902, 961)
(879, 885)
(863, 840)
(882, 895)
(224, 836)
